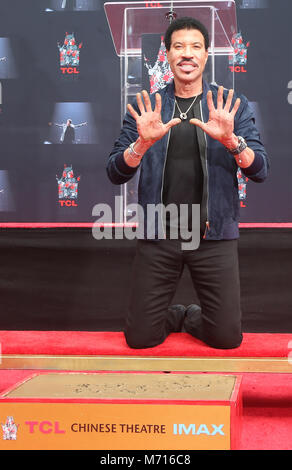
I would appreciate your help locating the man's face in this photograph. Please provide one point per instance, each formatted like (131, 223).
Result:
(187, 56)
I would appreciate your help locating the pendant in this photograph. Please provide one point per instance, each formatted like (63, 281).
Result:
(183, 116)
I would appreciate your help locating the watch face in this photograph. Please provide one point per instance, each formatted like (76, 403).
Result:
(242, 145)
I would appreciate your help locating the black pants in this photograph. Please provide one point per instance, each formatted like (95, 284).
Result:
(157, 269)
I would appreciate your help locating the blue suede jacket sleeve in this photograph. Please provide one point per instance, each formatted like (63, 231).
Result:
(244, 125)
(117, 169)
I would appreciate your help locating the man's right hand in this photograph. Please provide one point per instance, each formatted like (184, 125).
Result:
(149, 124)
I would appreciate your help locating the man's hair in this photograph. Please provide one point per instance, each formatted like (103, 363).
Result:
(185, 22)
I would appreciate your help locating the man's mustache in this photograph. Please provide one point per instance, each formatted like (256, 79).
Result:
(187, 61)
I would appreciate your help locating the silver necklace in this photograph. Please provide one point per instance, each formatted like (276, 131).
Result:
(183, 116)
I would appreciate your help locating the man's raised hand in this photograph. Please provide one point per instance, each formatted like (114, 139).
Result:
(220, 125)
(149, 123)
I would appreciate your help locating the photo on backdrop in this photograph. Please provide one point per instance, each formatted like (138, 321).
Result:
(72, 123)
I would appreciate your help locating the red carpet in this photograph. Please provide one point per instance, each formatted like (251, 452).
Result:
(113, 343)
(267, 398)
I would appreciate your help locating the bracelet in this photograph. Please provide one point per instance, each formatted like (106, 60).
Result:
(132, 150)
(133, 156)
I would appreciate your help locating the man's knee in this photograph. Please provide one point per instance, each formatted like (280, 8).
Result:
(140, 339)
(227, 339)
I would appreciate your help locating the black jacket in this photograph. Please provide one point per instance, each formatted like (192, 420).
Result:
(220, 201)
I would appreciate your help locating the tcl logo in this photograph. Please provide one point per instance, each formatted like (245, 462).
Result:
(153, 4)
(69, 70)
(68, 203)
(237, 69)
(45, 427)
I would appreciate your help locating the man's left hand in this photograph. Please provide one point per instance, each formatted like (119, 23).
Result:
(220, 125)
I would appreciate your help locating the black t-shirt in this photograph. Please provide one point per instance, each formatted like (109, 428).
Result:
(183, 174)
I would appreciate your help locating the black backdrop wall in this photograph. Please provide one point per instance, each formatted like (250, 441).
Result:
(64, 278)
(36, 95)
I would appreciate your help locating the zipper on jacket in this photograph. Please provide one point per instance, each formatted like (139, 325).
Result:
(164, 165)
(207, 223)
(207, 228)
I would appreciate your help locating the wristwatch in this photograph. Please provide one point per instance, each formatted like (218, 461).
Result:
(241, 146)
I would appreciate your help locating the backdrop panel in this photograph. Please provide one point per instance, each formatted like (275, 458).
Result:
(59, 63)
(66, 280)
